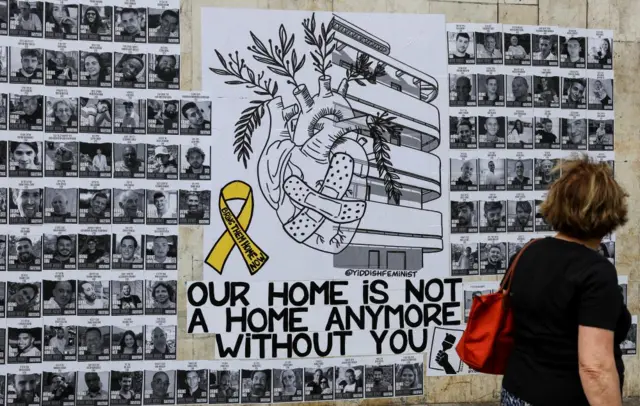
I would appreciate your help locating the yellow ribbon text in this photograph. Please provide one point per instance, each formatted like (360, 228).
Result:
(236, 233)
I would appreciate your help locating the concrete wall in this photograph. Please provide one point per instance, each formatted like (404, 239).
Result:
(618, 15)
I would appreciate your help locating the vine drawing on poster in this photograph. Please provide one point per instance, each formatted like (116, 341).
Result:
(332, 148)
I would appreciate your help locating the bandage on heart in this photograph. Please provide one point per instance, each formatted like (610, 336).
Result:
(325, 204)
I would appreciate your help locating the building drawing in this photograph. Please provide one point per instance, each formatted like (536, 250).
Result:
(382, 240)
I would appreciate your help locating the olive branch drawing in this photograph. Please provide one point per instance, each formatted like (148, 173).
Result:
(361, 70)
(282, 60)
(277, 58)
(324, 44)
(379, 125)
(251, 117)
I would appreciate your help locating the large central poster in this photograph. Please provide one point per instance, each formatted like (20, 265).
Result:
(327, 197)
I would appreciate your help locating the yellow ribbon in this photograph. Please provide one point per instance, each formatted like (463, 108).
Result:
(236, 235)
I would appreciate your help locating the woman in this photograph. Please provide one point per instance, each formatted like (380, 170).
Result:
(95, 72)
(288, 380)
(63, 113)
(93, 21)
(128, 344)
(59, 19)
(569, 316)
(407, 378)
(516, 134)
(324, 386)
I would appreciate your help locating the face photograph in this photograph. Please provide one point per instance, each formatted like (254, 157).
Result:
(572, 52)
(164, 71)
(491, 90)
(256, 385)
(461, 47)
(195, 118)
(159, 387)
(96, 23)
(96, 69)
(129, 71)
(27, 66)
(600, 53)
(223, 385)
(462, 133)
(462, 90)
(491, 132)
(545, 50)
(518, 49)
(61, 68)
(519, 91)
(130, 24)
(464, 174)
(574, 93)
(164, 26)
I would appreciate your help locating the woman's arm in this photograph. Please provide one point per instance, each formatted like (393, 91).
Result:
(600, 303)
(597, 366)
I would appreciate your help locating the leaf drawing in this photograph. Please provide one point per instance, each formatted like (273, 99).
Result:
(237, 68)
(378, 126)
(324, 44)
(361, 71)
(279, 58)
(249, 121)
(251, 118)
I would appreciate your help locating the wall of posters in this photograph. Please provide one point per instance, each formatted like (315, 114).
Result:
(100, 155)
(521, 99)
(336, 255)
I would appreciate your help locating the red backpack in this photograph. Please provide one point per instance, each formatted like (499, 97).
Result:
(487, 340)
